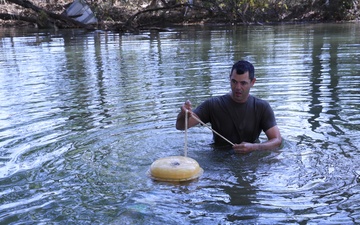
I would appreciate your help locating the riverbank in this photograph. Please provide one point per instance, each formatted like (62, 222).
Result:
(134, 17)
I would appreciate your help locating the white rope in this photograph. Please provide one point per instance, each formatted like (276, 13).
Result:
(197, 119)
(186, 127)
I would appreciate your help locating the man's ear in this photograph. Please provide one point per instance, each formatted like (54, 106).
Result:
(253, 81)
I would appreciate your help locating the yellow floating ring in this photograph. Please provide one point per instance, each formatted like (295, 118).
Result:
(175, 168)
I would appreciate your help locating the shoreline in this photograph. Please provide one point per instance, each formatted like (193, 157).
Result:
(134, 18)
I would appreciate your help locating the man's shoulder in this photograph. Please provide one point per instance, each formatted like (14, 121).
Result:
(259, 103)
(258, 100)
(218, 99)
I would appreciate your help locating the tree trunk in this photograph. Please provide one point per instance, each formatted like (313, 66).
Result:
(44, 21)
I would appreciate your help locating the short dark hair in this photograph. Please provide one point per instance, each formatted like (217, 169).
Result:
(242, 67)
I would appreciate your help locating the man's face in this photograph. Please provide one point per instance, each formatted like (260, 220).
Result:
(240, 86)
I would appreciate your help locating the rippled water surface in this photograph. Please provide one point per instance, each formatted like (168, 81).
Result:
(83, 115)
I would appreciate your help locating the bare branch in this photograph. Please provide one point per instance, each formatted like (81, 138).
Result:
(5, 16)
(28, 4)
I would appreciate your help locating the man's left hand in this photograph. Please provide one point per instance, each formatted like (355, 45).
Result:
(244, 147)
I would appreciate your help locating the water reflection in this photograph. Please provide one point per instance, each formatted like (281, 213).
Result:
(83, 115)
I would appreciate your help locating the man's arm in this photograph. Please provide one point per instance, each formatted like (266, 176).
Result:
(274, 141)
(180, 120)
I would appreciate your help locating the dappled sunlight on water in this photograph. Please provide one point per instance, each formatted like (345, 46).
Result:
(83, 116)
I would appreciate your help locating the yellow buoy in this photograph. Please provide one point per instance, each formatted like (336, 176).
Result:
(175, 168)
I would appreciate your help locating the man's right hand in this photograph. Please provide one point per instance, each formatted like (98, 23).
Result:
(186, 106)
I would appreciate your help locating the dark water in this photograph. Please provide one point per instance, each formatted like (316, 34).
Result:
(83, 116)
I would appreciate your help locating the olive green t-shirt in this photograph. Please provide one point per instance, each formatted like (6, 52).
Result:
(237, 122)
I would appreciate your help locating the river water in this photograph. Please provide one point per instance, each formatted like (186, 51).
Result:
(84, 114)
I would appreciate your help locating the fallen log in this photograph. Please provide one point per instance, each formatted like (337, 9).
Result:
(6, 16)
(46, 17)
(131, 25)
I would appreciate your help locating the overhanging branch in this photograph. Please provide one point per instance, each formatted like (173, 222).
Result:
(29, 5)
(5, 16)
(167, 7)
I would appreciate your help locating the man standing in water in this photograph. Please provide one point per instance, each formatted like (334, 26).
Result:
(237, 116)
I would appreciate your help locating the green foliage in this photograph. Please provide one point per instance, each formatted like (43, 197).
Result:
(43, 19)
(338, 9)
(252, 11)
(279, 10)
